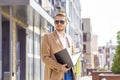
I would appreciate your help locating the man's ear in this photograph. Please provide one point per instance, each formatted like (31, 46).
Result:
(67, 23)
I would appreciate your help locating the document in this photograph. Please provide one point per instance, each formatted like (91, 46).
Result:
(65, 57)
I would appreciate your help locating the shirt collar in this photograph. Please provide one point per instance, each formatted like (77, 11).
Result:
(61, 35)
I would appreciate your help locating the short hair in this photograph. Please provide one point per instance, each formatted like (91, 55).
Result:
(60, 14)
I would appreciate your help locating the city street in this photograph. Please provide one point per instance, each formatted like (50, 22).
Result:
(33, 31)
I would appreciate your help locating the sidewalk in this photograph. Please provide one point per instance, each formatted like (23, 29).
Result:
(85, 78)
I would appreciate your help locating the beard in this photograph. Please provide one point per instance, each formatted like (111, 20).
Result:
(60, 30)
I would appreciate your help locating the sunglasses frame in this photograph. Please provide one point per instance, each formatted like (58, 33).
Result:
(59, 21)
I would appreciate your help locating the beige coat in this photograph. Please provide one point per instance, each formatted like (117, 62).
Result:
(50, 45)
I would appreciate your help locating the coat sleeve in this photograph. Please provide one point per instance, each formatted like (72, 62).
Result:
(46, 55)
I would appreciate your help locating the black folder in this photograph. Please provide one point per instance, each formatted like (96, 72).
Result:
(64, 57)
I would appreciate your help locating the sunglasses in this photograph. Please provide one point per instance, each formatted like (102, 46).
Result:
(59, 21)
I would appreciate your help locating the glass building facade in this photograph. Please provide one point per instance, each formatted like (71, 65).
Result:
(22, 25)
(21, 31)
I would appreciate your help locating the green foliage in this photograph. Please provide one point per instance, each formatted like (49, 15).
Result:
(116, 61)
(102, 69)
(118, 37)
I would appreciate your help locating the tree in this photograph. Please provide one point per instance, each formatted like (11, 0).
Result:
(116, 61)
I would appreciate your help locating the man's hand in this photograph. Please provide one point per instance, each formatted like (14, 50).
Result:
(64, 68)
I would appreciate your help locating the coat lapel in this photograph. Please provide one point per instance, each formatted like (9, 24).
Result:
(56, 37)
(68, 40)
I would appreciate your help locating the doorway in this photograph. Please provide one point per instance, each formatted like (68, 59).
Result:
(5, 49)
(21, 53)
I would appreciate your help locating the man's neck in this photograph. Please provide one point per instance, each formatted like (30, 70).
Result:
(61, 33)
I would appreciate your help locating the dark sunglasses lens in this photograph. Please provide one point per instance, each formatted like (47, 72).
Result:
(62, 22)
(56, 22)
(59, 21)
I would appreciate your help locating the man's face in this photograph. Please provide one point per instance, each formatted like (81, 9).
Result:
(60, 23)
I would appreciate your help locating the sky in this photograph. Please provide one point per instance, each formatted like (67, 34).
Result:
(104, 17)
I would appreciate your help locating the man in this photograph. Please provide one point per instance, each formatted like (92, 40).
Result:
(55, 42)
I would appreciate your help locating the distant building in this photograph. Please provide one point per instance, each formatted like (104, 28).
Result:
(95, 51)
(90, 47)
(102, 56)
(106, 55)
(87, 45)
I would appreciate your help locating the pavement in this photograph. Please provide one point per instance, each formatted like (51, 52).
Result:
(84, 78)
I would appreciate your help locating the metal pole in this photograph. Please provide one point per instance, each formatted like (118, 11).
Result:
(11, 44)
(33, 40)
(0, 45)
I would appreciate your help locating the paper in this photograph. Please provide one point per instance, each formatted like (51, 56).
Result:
(65, 57)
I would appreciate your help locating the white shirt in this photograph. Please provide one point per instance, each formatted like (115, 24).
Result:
(63, 40)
